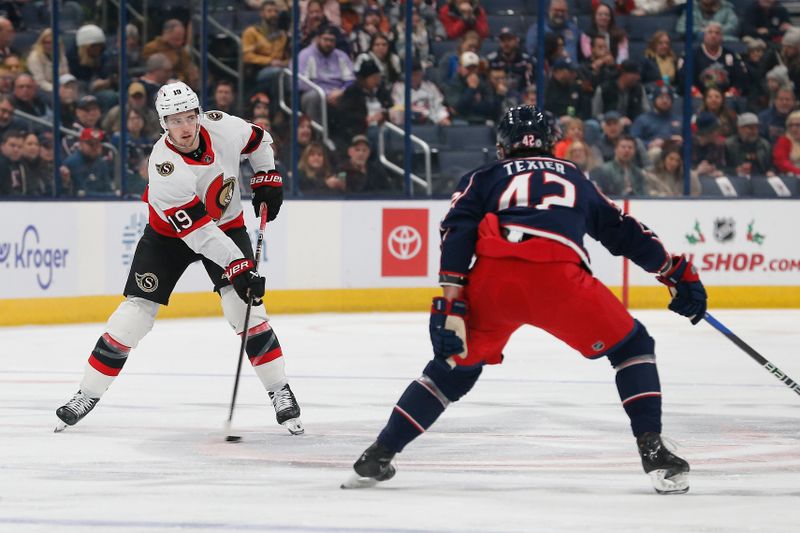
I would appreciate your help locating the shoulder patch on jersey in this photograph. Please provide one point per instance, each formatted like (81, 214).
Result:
(214, 115)
(166, 168)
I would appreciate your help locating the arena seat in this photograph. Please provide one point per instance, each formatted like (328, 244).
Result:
(728, 186)
(643, 28)
(466, 137)
(775, 187)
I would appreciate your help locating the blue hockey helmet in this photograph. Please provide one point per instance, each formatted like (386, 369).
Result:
(525, 127)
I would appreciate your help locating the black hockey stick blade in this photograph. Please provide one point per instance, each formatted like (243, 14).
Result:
(760, 359)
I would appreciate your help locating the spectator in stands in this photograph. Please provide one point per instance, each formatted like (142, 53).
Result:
(580, 154)
(562, 95)
(458, 16)
(330, 9)
(772, 121)
(27, 99)
(259, 107)
(88, 59)
(7, 34)
(603, 25)
(363, 104)
(8, 121)
(746, 153)
(362, 35)
(172, 43)
(667, 178)
(38, 174)
(40, 61)
(468, 95)
(13, 180)
(765, 19)
(420, 39)
(757, 96)
(139, 144)
(598, 68)
(305, 135)
(708, 11)
(315, 172)
(137, 99)
(326, 66)
(788, 55)
(715, 65)
(359, 174)
(654, 7)
(316, 21)
(68, 96)
(573, 131)
(621, 176)
(224, 97)
(265, 49)
(553, 51)
(777, 77)
(626, 94)
(659, 124)
(714, 103)
(427, 12)
(509, 57)
(88, 171)
(558, 22)
(87, 112)
(501, 95)
(13, 63)
(448, 66)
(786, 154)
(380, 53)
(427, 101)
(133, 50)
(660, 61)
(613, 125)
(6, 81)
(708, 146)
(157, 70)
(621, 7)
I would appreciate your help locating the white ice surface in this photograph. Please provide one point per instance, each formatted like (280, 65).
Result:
(541, 443)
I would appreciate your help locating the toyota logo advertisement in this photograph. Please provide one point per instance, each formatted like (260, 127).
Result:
(405, 242)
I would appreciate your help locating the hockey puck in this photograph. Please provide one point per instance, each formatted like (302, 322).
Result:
(233, 438)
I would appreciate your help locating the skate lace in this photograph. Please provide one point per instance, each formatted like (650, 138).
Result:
(282, 399)
(80, 403)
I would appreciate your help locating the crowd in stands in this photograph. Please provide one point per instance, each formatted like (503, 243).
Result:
(614, 76)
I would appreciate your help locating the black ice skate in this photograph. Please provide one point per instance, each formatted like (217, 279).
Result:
(287, 412)
(668, 472)
(74, 410)
(374, 465)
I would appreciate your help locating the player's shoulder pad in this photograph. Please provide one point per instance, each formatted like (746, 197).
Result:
(165, 162)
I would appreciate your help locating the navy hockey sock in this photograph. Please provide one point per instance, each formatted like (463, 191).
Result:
(424, 400)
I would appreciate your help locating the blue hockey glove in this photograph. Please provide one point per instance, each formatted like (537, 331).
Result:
(448, 329)
(688, 294)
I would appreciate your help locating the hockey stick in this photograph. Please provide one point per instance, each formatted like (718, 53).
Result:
(771, 368)
(259, 244)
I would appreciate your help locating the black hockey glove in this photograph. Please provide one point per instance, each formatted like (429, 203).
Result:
(267, 188)
(688, 294)
(448, 329)
(245, 280)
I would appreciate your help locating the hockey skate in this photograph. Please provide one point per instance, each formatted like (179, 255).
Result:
(374, 465)
(287, 412)
(74, 410)
(668, 472)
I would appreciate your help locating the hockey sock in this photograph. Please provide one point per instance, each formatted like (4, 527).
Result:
(424, 400)
(105, 363)
(640, 391)
(264, 352)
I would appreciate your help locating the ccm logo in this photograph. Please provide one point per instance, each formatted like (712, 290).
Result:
(265, 179)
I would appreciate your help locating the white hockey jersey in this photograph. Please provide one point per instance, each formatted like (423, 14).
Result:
(197, 200)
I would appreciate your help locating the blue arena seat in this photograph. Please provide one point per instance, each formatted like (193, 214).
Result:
(442, 48)
(430, 133)
(643, 28)
(517, 6)
(466, 137)
(775, 187)
(729, 186)
(454, 164)
(498, 22)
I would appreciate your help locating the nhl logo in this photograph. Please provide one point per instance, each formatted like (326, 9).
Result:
(599, 345)
(148, 281)
(206, 159)
(165, 169)
(724, 229)
(214, 115)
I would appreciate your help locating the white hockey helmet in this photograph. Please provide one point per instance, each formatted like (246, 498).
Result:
(175, 98)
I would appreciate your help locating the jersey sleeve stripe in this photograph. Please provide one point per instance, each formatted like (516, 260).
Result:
(255, 139)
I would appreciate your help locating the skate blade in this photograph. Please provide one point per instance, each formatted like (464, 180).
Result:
(358, 482)
(61, 426)
(294, 426)
(677, 484)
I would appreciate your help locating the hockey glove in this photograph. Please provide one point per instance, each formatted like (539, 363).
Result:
(267, 188)
(688, 294)
(245, 280)
(448, 329)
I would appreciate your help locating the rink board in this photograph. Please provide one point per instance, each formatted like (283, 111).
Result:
(67, 261)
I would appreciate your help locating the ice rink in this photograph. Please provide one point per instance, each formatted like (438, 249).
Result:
(541, 443)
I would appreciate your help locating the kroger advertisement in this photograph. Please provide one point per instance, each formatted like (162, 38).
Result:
(52, 249)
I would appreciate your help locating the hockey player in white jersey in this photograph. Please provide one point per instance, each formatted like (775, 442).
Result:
(196, 214)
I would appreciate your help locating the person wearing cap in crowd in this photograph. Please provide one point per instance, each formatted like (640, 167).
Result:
(172, 43)
(765, 19)
(772, 121)
(562, 94)
(755, 62)
(86, 169)
(746, 153)
(89, 60)
(40, 61)
(363, 104)
(621, 176)
(715, 64)
(558, 22)
(708, 12)
(137, 99)
(459, 16)
(788, 55)
(626, 94)
(659, 124)
(329, 68)
(708, 146)
(510, 57)
(359, 174)
(13, 180)
(68, 96)
(613, 125)
(468, 94)
(427, 101)
(26, 98)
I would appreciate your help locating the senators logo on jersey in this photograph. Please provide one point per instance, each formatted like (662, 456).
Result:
(219, 196)
(165, 169)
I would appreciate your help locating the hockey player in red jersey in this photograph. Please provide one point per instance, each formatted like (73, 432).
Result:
(196, 214)
(524, 218)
